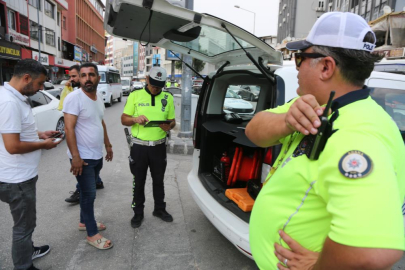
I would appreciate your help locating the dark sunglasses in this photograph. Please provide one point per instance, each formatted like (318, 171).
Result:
(300, 57)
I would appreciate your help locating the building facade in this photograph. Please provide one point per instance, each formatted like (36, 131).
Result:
(296, 18)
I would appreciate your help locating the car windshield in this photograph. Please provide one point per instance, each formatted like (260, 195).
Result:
(212, 42)
(231, 94)
(125, 82)
(102, 77)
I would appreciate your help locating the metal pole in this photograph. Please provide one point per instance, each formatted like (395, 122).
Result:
(173, 71)
(185, 125)
(39, 33)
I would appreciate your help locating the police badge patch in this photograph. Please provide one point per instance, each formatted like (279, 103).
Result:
(355, 164)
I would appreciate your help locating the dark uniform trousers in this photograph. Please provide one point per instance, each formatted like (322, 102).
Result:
(143, 157)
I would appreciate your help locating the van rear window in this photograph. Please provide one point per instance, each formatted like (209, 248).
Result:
(393, 102)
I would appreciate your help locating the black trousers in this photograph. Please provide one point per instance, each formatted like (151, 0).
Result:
(143, 157)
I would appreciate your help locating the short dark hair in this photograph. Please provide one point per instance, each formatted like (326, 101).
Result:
(354, 65)
(30, 67)
(75, 67)
(89, 65)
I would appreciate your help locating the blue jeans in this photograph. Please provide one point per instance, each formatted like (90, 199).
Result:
(87, 184)
(21, 198)
(98, 181)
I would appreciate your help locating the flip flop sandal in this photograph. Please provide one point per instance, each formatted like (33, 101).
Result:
(98, 227)
(99, 244)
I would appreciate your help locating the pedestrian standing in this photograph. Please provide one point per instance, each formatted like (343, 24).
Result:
(86, 133)
(149, 143)
(343, 209)
(70, 86)
(20, 152)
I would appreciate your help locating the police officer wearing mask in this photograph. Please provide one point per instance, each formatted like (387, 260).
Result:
(148, 148)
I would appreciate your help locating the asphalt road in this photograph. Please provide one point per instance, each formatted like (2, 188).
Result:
(190, 242)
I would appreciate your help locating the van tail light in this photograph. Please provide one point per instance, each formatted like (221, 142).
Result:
(269, 156)
(195, 127)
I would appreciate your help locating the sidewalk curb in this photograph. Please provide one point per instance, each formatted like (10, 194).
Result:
(180, 146)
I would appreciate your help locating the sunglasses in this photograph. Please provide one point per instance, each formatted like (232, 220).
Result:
(300, 57)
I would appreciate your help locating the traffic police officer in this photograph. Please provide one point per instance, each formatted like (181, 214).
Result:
(149, 143)
(343, 210)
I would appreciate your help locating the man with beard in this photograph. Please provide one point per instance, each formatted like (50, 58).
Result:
(85, 134)
(20, 151)
(72, 85)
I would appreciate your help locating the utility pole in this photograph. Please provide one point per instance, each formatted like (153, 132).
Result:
(39, 33)
(185, 125)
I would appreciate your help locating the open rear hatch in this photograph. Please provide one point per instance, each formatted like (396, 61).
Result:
(184, 31)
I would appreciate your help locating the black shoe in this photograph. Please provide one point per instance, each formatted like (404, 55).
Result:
(99, 185)
(163, 215)
(75, 198)
(136, 221)
(32, 267)
(40, 251)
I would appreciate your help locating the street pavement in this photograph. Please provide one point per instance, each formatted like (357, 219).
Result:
(190, 242)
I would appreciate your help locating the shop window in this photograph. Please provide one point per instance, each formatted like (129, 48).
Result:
(50, 37)
(12, 24)
(35, 3)
(49, 9)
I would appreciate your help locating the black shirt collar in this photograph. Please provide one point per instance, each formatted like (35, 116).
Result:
(147, 91)
(350, 98)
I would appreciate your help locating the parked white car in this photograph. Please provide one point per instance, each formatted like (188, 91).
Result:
(214, 135)
(54, 90)
(110, 85)
(46, 113)
(235, 104)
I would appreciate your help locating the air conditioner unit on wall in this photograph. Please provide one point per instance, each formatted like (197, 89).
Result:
(9, 37)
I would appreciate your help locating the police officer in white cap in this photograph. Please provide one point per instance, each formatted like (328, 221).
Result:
(343, 209)
(148, 148)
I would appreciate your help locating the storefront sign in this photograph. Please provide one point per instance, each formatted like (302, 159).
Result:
(9, 50)
(78, 54)
(44, 58)
(64, 63)
(19, 38)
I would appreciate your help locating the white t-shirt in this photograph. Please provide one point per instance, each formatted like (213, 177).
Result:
(89, 129)
(16, 117)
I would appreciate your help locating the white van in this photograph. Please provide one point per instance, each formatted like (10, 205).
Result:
(126, 85)
(110, 84)
(217, 132)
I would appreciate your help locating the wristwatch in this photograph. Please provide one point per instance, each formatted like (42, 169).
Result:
(109, 145)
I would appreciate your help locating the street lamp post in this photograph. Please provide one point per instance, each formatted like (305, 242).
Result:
(254, 17)
(39, 34)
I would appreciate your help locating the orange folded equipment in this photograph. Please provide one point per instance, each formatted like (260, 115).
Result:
(241, 197)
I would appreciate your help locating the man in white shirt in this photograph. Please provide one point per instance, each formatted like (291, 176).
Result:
(70, 86)
(86, 133)
(20, 151)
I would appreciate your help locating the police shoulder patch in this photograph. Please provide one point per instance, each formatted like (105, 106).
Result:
(355, 164)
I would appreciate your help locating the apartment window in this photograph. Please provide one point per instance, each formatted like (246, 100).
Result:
(35, 31)
(12, 24)
(64, 22)
(24, 25)
(49, 9)
(58, 17)
(58, 43)
(35, 3)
